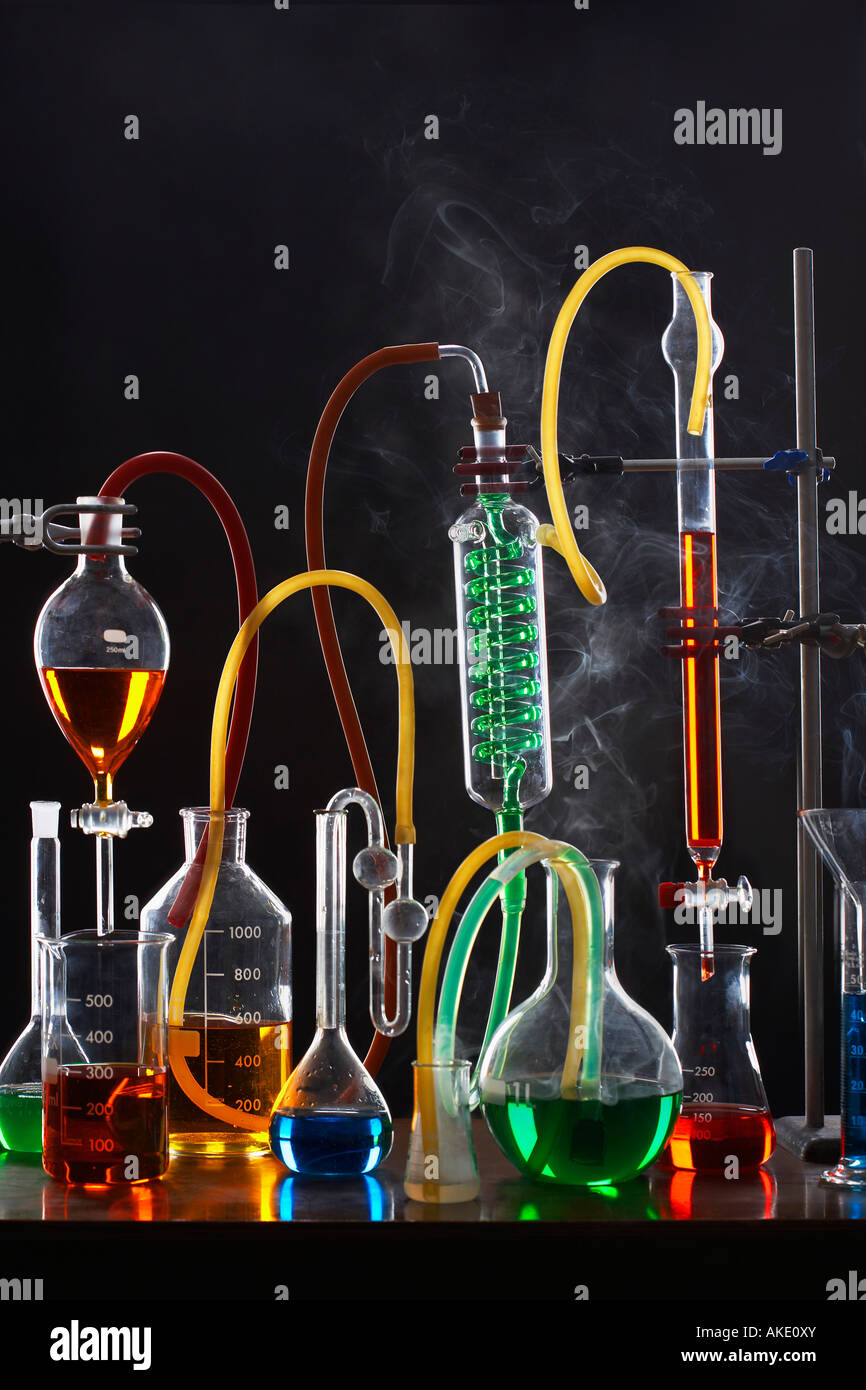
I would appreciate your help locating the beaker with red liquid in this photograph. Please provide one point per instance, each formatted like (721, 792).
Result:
(725, 1124)
(105, 1056)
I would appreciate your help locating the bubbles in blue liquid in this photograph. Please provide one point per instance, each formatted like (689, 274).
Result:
(322, 1144)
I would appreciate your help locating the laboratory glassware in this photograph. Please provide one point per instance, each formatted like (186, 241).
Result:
(499, 586)
(21, 1069)
(840, 835)
(699, 593)
(403, 920)
(699, 599)
(104, 1056)
(725, 1115)
(580, 1085)
(237, 1026)
(451, 1172)
(101, 649)
(331, 1119)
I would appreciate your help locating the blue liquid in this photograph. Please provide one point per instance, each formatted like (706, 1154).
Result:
(854, 1080)
(321, 1145)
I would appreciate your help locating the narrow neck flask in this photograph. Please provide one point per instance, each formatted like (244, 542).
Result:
(331, 1120)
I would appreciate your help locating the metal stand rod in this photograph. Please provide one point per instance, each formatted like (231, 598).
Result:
(743, 465)
(809, 791)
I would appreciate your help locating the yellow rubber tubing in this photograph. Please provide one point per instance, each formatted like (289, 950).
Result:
(560, 536)
(576, 895)
(404, 832)
(512, 839)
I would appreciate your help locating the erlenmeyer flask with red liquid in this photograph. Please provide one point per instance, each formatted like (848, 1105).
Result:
(724, 1115)
(101, 648)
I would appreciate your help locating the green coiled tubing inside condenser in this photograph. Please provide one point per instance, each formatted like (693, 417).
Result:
(506, 707)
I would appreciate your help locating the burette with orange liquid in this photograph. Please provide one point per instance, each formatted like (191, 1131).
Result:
(699, 618)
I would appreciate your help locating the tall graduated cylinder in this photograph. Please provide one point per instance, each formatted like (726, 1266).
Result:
(105, 1056)
(234, 1051)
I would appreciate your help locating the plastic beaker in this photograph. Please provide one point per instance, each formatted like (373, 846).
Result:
(725, 1115)
(441, 1166)
(105, 1056)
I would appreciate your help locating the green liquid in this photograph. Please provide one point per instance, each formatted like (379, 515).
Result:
(21, 1118)
(582, 1143)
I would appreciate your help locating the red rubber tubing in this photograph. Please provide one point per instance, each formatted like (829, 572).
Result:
(327, 628)
(141, 466)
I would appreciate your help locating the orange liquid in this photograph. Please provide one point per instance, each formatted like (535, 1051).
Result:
(103, 711)
(706, 1136)
(243, 1065)
(701, 731)
(97, 1117)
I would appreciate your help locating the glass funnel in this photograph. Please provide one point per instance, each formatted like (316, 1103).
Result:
(841, 838)
(725, 1116)
(237, 1027)
(331, 1120)
(554, 1120)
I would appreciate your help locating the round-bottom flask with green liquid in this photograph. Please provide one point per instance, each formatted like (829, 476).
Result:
(576, 1098)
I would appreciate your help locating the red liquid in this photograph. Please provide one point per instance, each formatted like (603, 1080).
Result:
(706, 1136)
(701, 732)
(103, 711)
(98, 1118)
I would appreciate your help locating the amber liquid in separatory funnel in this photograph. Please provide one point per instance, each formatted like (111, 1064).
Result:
(103, 711)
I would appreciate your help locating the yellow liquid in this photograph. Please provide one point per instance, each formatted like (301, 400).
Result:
(242, 1065)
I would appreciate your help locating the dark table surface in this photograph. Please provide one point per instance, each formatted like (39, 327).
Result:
(261, 1190)
(243, 1229)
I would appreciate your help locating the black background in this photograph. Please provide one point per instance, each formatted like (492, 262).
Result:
(156, 257)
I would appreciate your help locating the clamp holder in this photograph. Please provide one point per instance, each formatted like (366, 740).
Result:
(44, 532)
